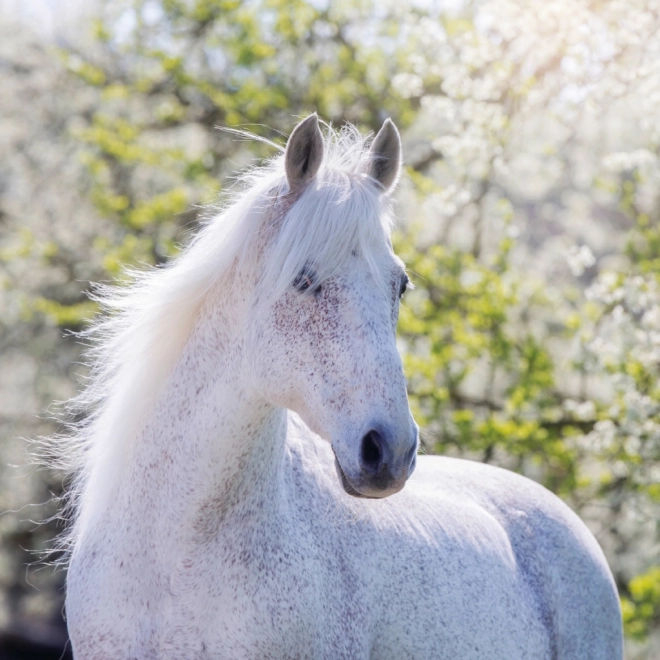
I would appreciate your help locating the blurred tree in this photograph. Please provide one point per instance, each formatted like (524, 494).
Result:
(531, 138)
(44, 230)
(170, 73)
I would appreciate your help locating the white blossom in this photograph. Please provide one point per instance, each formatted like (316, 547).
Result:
(408, 84)
(579, 259)
(621, 161)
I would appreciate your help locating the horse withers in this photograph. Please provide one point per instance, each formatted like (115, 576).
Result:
(239, 488)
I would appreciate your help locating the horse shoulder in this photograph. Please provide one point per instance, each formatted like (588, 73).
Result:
(407, 572)
(555, 553)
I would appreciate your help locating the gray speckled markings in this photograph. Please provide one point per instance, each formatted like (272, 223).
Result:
(241, 493)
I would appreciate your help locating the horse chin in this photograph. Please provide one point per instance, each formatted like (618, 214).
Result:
(350, 489)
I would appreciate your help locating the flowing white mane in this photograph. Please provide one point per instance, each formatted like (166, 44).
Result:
(135, 344)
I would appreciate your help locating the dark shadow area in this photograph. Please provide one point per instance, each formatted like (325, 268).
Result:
(35, 642)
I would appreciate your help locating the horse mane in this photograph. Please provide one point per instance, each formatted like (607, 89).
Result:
(133, 345)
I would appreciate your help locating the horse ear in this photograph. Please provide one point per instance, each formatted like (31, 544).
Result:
(304, 152)
(384, 163)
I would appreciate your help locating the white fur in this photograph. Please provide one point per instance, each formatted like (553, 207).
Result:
(209, 521)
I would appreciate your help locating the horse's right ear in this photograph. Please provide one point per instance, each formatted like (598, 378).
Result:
(304, 152)
(384, 164)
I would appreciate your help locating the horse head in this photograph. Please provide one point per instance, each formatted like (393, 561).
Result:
(322, 332)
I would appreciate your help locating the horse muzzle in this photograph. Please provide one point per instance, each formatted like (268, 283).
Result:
(381, 471)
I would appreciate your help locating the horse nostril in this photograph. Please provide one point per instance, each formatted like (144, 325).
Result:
(371, 453)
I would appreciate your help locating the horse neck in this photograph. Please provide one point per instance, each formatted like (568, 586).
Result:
(211, 445)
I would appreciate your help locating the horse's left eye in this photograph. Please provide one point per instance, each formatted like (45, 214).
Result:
(404, 285)
(306, 280)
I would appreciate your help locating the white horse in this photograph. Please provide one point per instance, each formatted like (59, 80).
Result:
(238, 485)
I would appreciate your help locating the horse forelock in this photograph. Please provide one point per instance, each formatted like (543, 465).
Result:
(337, 216)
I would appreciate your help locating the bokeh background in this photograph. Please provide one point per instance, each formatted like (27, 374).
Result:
(529, 218)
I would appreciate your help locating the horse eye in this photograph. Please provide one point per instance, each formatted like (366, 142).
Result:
(305, 280)
(404, 285)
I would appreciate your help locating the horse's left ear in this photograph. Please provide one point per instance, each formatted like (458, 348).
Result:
(384, 163)
(304, 152)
